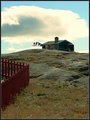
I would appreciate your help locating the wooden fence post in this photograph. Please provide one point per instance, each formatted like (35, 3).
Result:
(2, 67)
(23, 65)
(20, 65)
(17, 66)
(11, 67)
(8, 73)
(14, 68)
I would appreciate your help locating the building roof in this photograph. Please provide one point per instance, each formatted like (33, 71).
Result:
(53, 42)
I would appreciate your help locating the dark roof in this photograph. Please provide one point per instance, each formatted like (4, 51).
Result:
(53, 42)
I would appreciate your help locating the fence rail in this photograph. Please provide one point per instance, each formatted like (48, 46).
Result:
(10, 67)
(17, 78)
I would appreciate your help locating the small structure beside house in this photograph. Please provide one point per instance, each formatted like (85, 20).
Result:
(57, 45)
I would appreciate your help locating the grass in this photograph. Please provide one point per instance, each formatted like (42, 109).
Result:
(49, 99)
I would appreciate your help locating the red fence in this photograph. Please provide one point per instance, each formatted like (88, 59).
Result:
(17, 78)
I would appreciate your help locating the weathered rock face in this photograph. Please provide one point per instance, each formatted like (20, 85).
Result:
(58, 74)
(37, 70)
(55, 65)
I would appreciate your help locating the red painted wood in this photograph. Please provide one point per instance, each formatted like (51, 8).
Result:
(11, 68)
(14, 67)
(14, 83)
(2, 67)
(20, 65)
(23, 64)
(8, 70)
(17, 66)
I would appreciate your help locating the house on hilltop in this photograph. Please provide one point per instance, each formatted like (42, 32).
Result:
(57, 45)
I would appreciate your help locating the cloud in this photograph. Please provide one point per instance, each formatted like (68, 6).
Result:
(26, 26)
(21, 24)
(13, 49)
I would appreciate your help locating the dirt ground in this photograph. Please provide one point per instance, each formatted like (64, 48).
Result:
(49, 99)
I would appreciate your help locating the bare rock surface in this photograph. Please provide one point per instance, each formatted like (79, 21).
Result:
(54, 64)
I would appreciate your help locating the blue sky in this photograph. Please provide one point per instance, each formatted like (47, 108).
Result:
(80, 7)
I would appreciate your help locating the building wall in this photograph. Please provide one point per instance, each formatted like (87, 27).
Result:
(71, 47)
(65, 45)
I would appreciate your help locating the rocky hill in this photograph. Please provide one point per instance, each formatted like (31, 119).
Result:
(55, 65)
(67, 69)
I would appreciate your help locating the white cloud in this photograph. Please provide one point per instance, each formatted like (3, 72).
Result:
(13, 49)
(30, 23)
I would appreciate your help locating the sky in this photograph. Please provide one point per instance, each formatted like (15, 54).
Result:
(25, 22)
